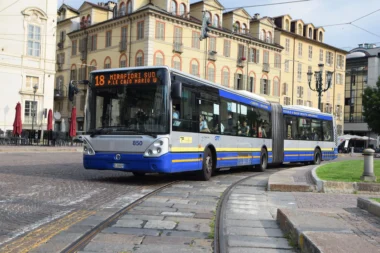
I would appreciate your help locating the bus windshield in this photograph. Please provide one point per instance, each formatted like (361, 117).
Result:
(129, 103)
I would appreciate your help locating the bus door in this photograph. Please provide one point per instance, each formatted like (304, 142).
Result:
(291, 143)
(244, 142)
(185, 136)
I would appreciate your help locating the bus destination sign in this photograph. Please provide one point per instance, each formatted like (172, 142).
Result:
(119, 78)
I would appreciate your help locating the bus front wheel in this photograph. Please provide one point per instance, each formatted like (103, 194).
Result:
(317, 157)
(207, 166)
(263, 160)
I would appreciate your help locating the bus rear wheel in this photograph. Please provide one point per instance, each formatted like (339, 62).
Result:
(263, 160)
(317, 157)
(207, 166)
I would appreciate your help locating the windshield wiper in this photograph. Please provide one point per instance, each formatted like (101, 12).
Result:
(103, 130)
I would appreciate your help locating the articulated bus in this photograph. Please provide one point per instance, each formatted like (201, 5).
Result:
(161, 120)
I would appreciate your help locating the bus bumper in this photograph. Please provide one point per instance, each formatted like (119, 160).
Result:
(128, 162)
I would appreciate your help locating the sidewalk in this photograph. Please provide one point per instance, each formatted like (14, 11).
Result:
(35, 148)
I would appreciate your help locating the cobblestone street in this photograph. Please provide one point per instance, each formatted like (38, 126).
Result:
(39, 187)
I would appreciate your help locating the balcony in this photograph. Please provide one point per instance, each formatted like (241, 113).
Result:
(212, 55)
(266, 67)
(59, 66)
(178, 47)
(83, 55)
(58, 94)
(122, 46)
(241, 62)
(60, 45)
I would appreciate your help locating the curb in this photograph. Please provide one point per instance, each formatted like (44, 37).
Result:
(318, 182)
(36, 150)
(343, 187)
(370, 206)
(290, 187)
(294, 235)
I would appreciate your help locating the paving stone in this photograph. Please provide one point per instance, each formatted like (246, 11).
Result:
(57, 243)
(118, 238)
(182, 186)
(189, 210)
(129, 223)
(252, 223)
(79, 228)
(264, 232)
(203, 242)
(207, 203)
(158, 240)
(257, 250)
(191, 234)
(109, 247)
(245, 216)
(174, 194)
(177, 214)
(144, 212)
(155, 208)
(193, 226)
(170, 249)
(204, 215)
(158, 224)
(195, 207)
(156, 204)
(178, 201)
(157, 199)
(131, 231)
(258, 242)
(261, 214)
(183, 219)
(142, 217)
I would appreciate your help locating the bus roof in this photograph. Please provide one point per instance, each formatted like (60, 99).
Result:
(306, 111)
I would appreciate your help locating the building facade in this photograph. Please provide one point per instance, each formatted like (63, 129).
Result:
(242, 52)
(363, 70)
(304, 49)
(27, 61)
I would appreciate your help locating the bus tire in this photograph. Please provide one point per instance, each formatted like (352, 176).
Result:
(263, 160)
(317, 157)
(207, 166)
(138, 174)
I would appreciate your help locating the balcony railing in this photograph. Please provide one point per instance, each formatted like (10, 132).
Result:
(212, 55)
(58, 94)
(178, 47)
(266, 67)
(60, 45)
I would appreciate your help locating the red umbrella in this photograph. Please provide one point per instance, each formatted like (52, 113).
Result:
(17, 124)
(73, 125)
(50, 120)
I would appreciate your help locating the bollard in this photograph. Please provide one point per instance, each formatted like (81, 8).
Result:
(368, 174)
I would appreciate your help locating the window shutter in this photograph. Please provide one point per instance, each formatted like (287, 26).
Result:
(257, 56)
(332, 58)
(235, 81)
(245, 51)
(298, 91)
(269, 87)
(89, 44)
(261, 86)
(244, 86)
(301, 91)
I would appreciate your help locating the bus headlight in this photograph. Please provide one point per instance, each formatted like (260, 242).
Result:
(87, 149)
(157, 148)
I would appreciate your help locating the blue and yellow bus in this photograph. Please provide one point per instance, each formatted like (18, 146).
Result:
(161, 120)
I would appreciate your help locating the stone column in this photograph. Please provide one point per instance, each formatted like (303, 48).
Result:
(368, 174)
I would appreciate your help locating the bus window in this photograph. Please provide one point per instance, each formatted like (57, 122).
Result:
(304, 129)
(328, 131)
(291, 130)
(243, 126)
(265, 126)
(206, 116)
(316, 130)
(184, 112)
(228, 116)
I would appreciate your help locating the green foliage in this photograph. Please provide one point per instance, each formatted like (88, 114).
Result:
(346, 171)
(376, 199)
(371, 106)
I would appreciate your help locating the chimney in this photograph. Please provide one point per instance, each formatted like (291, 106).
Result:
(256, 16)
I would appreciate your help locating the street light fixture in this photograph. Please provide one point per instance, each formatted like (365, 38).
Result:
(34, 109)
(318, 82)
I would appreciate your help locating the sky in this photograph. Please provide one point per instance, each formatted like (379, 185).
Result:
(318, 12)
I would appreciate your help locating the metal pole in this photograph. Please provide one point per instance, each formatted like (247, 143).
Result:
(33, 110)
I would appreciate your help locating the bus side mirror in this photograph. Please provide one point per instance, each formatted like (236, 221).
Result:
(177, 89)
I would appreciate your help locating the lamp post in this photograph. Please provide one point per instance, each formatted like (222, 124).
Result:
(318, 82)
(35, 88)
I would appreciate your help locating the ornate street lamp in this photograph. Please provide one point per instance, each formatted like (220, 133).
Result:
(318, 82)
(34, 109)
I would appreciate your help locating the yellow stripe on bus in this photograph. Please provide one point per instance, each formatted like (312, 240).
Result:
(186, 160)
(307, 149)
(201, 149)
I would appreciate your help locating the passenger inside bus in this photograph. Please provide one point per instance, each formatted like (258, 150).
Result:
(203, 127)
(244, 129)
